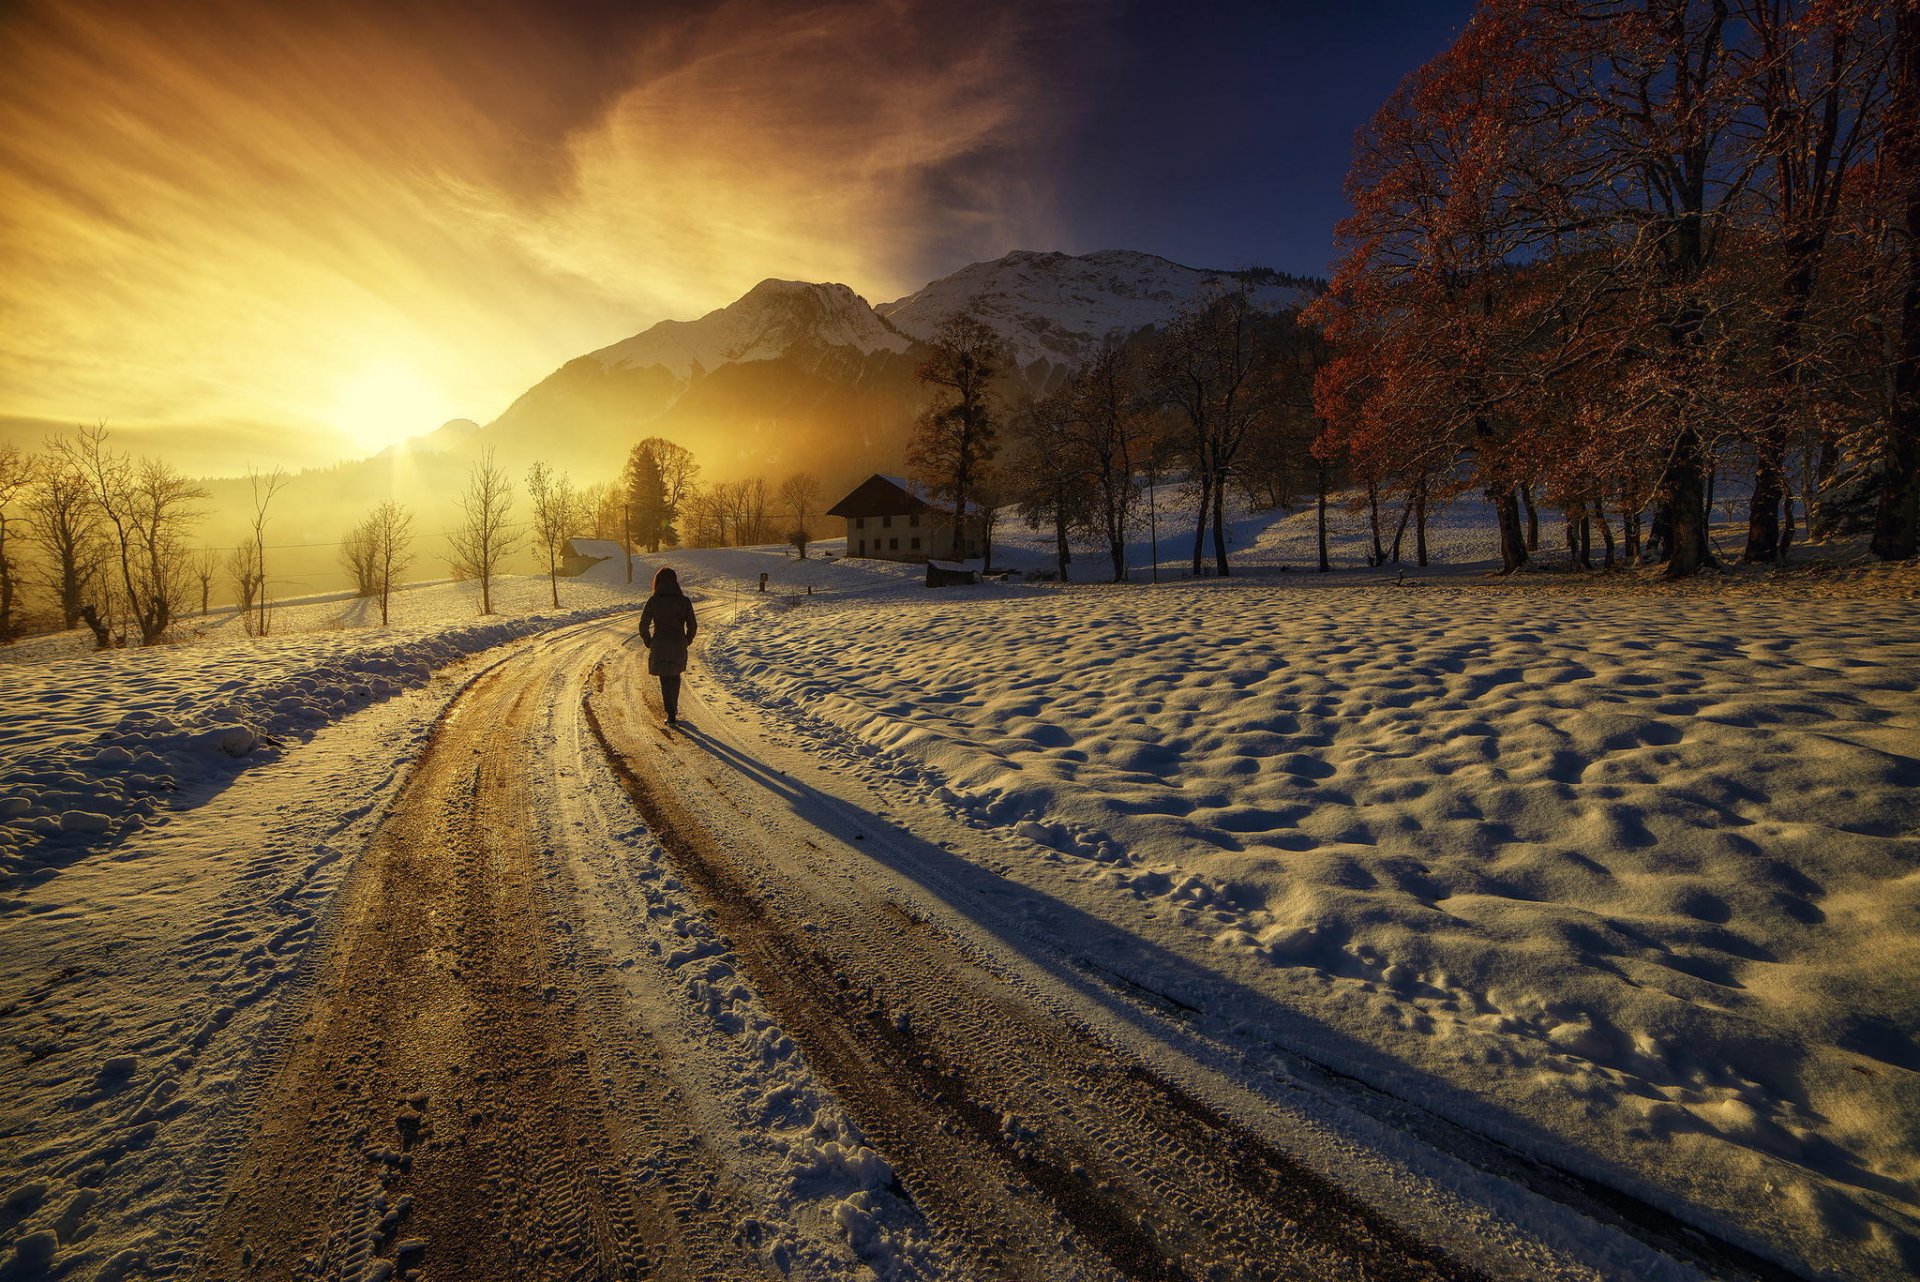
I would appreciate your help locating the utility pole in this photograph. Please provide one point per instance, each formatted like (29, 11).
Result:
(626, 535)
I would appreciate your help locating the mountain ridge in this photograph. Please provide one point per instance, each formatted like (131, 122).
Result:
(809, 375)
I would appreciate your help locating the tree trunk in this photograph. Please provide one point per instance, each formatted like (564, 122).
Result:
(1686, 504)
(1599, 508)
(1896, 528)
(1764, 537)
(1200, 524)
(1513, 545)
(1220, 527)
(102, 639)
(1325, 565)
(1153, 525)
(1420, 524)
(1763, 509)
(1533, 517)
(1400, 530)
(1826, 463)
(1061, 552)
(1373, 516)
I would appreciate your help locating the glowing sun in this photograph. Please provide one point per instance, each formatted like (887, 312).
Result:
(385, 402)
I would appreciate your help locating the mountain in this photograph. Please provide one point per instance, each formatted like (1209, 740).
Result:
(792, 375)
(1057, 310)
(798, 375)
(773, 318)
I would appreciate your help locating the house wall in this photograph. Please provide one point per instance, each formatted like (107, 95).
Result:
(906, 536)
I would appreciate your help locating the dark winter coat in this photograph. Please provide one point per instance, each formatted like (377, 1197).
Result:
(667, 625)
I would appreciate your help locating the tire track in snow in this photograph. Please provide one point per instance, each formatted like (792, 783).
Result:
(460, 1101)
(1030, 1145)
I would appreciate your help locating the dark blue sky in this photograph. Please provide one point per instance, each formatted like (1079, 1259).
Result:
(1219, 135)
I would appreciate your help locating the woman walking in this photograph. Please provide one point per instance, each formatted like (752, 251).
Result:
(666, 627)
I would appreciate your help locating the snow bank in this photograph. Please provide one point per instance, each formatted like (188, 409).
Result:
(93, 745)
(1626, 879)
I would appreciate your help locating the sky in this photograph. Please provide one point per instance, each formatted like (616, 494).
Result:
(277, 235)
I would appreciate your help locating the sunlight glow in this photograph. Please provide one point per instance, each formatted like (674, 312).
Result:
(385, 402)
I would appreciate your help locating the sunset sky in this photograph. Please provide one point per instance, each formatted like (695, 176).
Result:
(280, 234)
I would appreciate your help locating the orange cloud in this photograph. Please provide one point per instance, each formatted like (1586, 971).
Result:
(239, 213)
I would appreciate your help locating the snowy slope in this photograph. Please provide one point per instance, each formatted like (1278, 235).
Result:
(1061, 309)
(765, 323)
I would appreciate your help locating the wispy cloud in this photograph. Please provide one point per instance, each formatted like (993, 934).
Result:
(223, 212)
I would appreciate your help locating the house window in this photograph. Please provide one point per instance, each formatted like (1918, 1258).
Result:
(859, 522)
(886, 522)
(914, 521)
(916, 545)
(893, 545)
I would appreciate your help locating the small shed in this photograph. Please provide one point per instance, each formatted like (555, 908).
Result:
(891, 518)
(583, 554)
(952, 574)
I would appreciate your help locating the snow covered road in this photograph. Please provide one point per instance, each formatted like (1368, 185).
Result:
(585, 998)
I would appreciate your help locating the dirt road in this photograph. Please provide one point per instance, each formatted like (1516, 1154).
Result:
(465, 1096)
(502, 1071)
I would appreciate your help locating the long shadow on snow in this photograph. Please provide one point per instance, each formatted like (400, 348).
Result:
(1100, 958)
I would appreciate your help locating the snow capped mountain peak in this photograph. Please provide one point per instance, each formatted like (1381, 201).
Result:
(1060, 309)
(1054, 310)
(766, 322)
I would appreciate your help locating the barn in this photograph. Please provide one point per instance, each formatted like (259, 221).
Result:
(891, 518)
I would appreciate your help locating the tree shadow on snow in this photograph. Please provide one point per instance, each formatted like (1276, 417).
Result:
(1171, 999)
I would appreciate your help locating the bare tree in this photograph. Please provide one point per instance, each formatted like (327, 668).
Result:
(737, 500)
(755, 498)
(359, 553)
(64, 523)
(264, 486)
(393, 547)
(600, 505)
(800, 495)
(955, 437)
(147, 508)
(16, 473)
(205, 566)
(704, 515)
(244, 579)
(1216, 366)
(1048, 479)
(556, 513)
(483, 539)
(1108, 423)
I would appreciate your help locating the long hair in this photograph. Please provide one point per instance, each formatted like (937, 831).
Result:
(666, 582)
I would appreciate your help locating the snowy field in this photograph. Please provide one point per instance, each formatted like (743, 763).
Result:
(94, 744)
(1625, 876)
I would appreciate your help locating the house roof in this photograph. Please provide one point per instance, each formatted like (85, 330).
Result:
(884, 495)
(598, 549)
